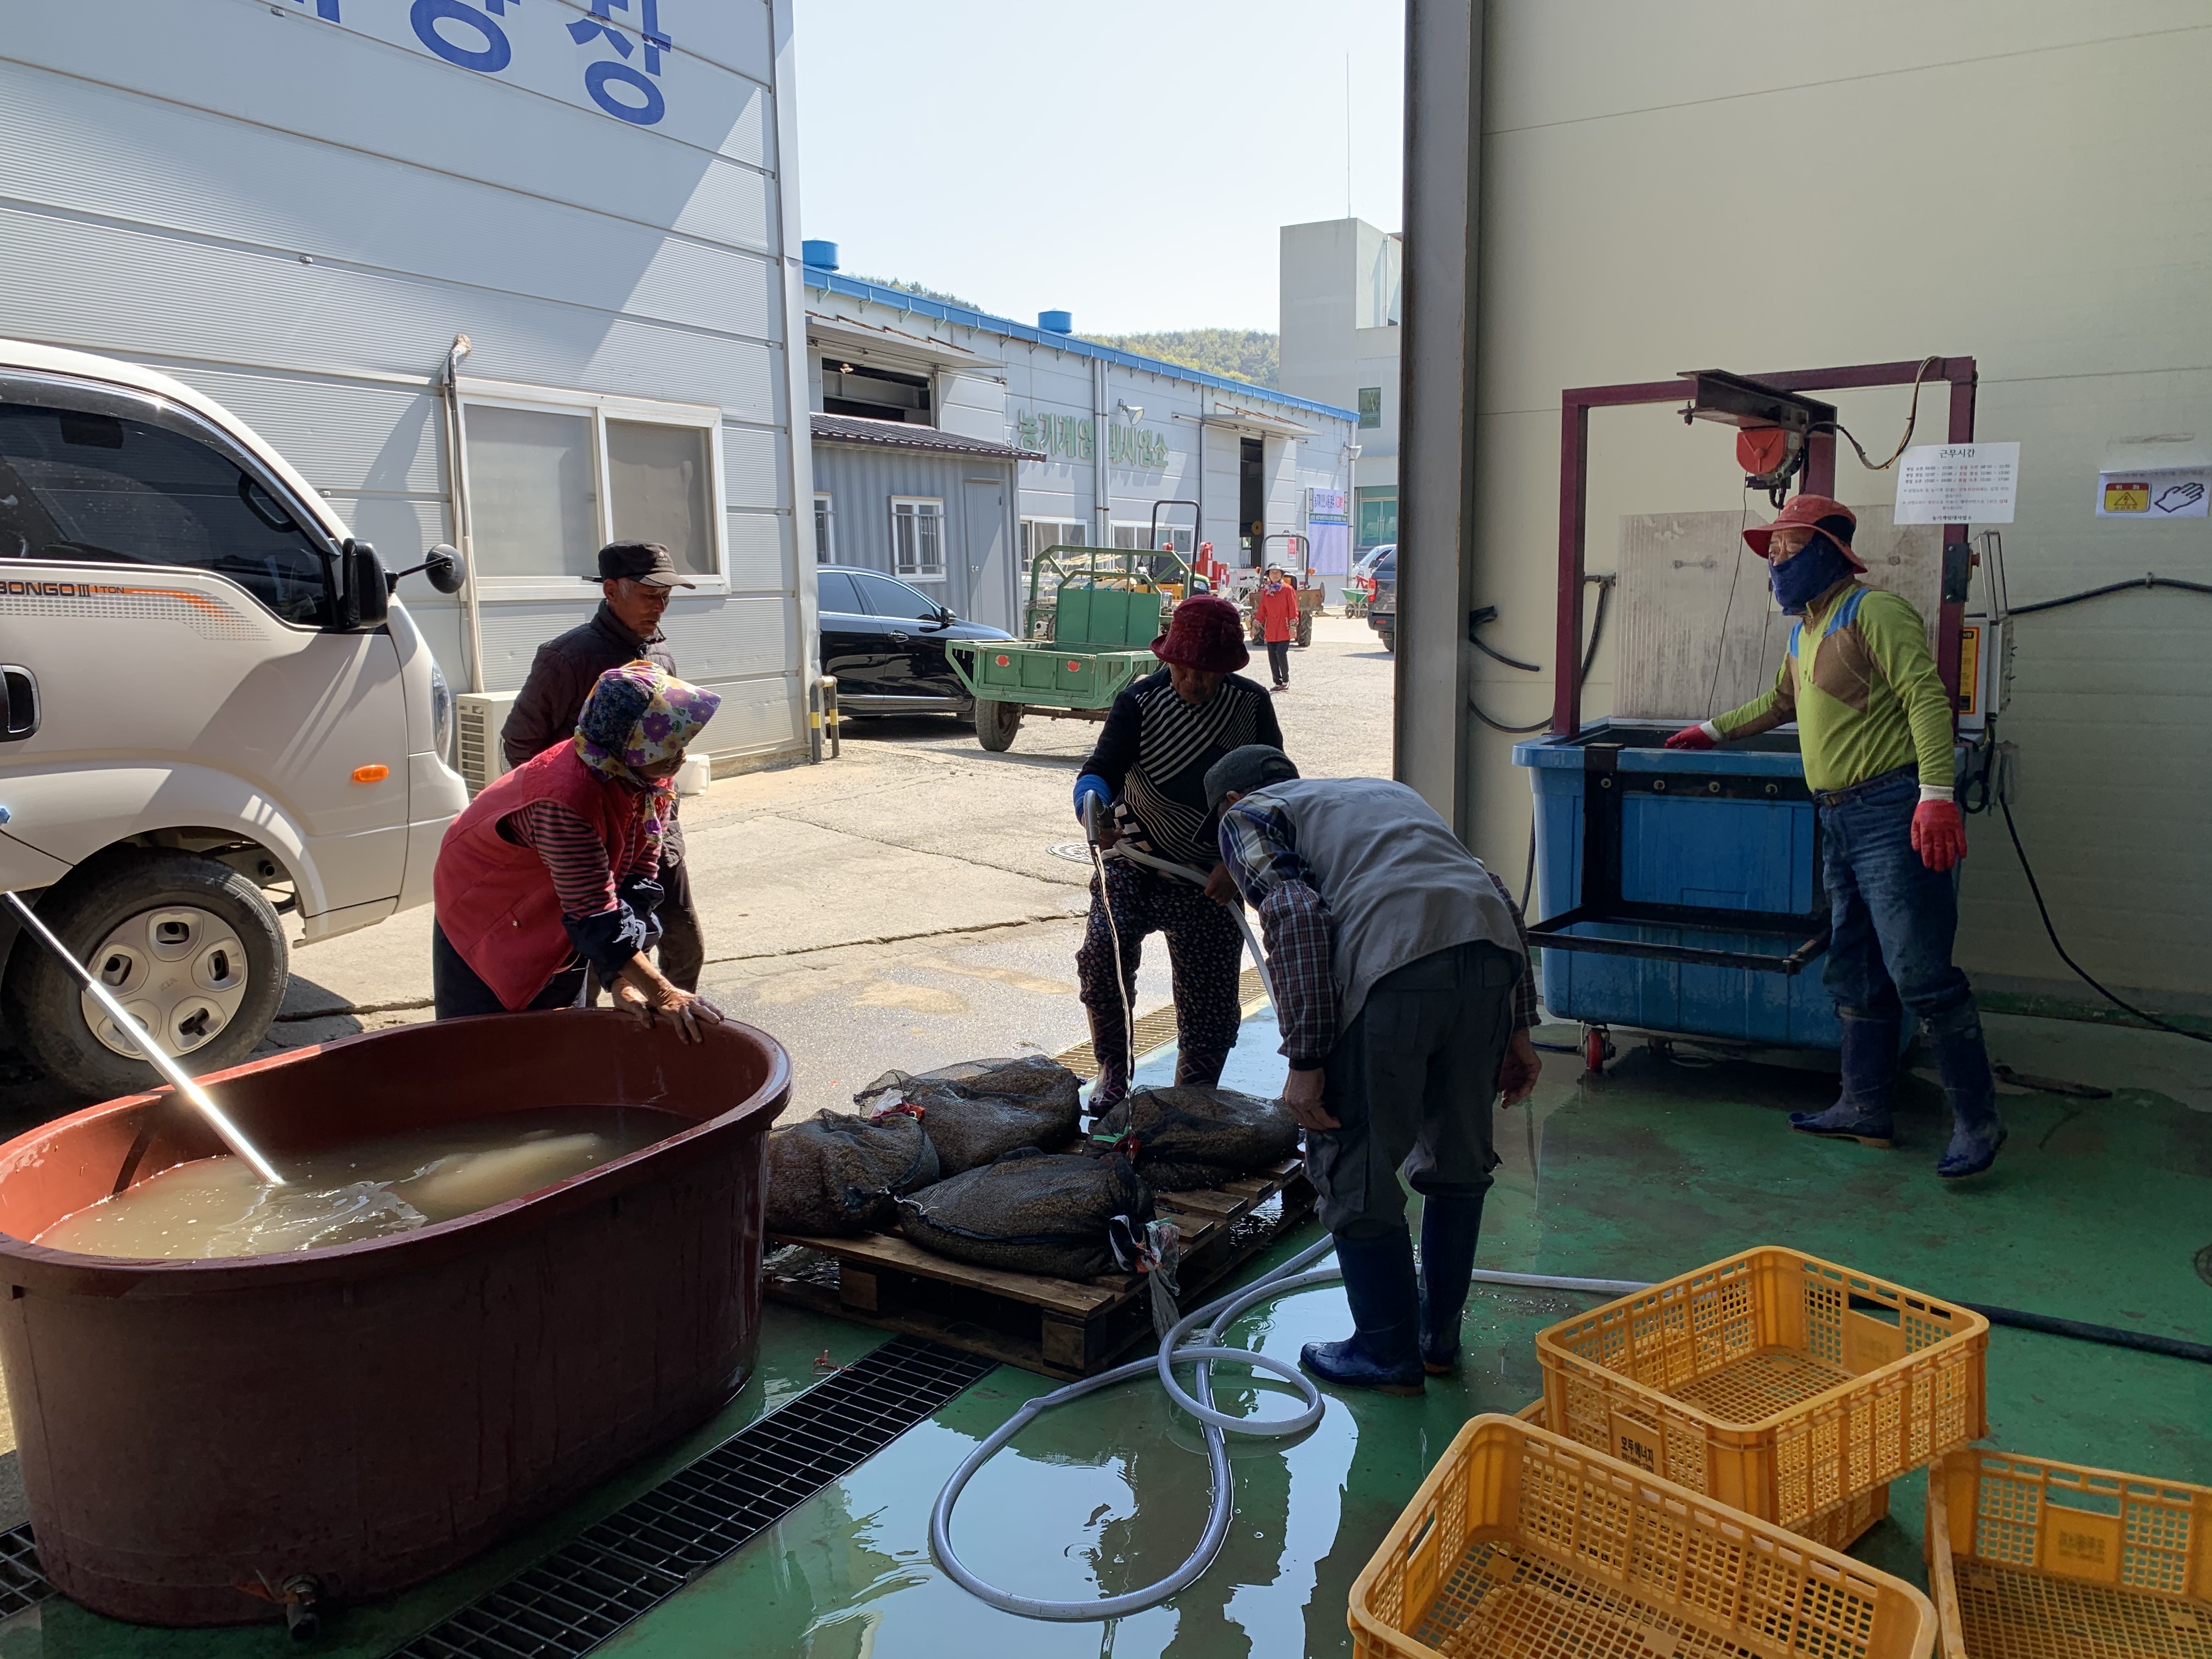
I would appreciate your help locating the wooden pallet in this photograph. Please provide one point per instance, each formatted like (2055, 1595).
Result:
(1055, 1326)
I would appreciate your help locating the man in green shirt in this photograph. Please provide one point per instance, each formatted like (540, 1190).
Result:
(1874, 726)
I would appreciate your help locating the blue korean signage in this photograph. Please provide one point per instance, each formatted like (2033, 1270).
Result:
(618, 56)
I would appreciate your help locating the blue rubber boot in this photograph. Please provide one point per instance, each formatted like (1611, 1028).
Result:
(1383, 1350)
(1977, 1131)
(1449, 1226)
(1862, 1111)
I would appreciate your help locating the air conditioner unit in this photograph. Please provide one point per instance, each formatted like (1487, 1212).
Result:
(481, 716)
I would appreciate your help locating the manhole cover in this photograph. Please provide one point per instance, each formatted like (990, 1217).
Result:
(2204, 1264)
(1075, 852)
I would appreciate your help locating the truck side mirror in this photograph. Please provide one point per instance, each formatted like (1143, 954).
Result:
(366, 599)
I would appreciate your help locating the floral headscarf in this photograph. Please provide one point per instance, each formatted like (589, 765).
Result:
(638, 715)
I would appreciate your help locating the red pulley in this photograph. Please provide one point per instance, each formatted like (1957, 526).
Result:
(1760, 449)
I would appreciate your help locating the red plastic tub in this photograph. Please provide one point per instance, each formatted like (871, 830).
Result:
(195, 1435)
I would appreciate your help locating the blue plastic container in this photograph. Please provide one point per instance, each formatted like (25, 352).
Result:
(1728, 828)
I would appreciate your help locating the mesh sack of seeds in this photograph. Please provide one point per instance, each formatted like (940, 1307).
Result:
(1066, 1214)
(1190, 1137)
(836, 1174)
(978, 1111)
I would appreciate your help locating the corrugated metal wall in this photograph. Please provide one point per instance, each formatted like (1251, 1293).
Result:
(296, 215)
(862, 478)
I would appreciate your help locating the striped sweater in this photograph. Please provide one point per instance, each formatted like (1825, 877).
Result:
(1155, 751)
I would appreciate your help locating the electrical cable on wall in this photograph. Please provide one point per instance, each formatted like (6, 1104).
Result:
(1911, 420)
(2044, 910)
(2146, 581)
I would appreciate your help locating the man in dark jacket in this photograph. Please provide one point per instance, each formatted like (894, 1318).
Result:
(634, 578)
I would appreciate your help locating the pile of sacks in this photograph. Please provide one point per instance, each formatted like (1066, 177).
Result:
(980, 1163)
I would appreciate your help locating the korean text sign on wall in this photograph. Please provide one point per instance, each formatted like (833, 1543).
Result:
(619, 57)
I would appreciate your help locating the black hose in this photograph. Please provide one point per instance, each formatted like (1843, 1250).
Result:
(2044, 910)
(2172, 1346)
(1597, 632)
(1496, 656)
(2148, 581)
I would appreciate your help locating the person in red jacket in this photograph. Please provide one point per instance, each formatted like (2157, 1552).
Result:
(1276, 610)
(552, 871)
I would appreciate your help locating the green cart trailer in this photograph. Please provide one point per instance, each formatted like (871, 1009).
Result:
(1087, 631)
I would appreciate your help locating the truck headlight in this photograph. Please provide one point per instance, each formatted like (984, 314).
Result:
(442, 714)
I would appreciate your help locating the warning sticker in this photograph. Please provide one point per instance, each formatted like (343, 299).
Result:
(2180, 492)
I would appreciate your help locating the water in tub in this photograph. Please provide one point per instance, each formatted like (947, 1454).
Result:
(216, 1206)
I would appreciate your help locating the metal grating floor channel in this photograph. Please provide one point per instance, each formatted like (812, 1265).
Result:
(651, 1548)
(21, 1583)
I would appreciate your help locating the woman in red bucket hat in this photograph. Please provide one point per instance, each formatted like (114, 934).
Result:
(1148, 777)
(1874, 727)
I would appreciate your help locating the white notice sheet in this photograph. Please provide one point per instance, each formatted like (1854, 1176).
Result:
(1957, 484)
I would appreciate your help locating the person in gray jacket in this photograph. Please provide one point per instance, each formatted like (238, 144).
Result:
(635, 580)
(1400, 974)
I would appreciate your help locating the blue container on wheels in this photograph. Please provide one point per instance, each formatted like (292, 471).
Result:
(1680, 890)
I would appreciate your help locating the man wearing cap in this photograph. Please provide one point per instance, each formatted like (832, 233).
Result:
(1874, 726)
(1401, 976)
(634, 581)
(1147, 779)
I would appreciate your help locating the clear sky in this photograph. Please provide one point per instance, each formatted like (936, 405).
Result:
(1131, 161)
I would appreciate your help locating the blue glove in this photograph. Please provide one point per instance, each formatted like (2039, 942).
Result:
(1091, 784)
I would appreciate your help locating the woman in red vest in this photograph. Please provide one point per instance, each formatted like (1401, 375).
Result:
(550, 872)
(1276, 610)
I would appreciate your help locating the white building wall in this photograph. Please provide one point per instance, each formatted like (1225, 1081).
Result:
(297, 212)
(1340, 281)
(2018, 180)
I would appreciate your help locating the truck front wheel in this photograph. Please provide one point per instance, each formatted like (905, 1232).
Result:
(996, 724)
(190, 948)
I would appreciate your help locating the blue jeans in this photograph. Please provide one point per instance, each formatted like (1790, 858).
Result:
(1894, 918)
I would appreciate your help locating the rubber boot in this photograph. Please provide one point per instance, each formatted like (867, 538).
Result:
(1977, 1131)
(1383, 1352)
(1110, 1044)
(1449, 1226)
(1862, 1111)
(1200, 1067)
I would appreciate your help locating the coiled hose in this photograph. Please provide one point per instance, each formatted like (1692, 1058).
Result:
(1178, 1348)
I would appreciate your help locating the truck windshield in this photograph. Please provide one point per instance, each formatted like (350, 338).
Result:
(86, 486)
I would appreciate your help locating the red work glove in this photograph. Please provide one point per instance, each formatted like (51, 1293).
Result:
(1939, 834)
(1691, 737)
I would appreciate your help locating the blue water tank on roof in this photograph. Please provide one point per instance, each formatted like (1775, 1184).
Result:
(821, 255)
(1056, 322)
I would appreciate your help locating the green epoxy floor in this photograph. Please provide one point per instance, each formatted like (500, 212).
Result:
(2098, 1210)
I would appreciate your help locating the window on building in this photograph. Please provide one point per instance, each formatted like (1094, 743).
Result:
(874, 394)
(1038, 534)
(1377, 510)
(553, 477)
(918, 538)
(1370, 405)
(82, 481)
(825, 527)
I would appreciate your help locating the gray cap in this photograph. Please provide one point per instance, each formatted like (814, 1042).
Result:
(646, 562)
(1254, 765)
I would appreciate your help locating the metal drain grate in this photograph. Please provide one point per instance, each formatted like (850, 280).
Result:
(21, 1583)
(651, 1548)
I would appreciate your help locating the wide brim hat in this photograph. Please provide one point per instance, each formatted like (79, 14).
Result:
(1206, 632)
(1808, 511)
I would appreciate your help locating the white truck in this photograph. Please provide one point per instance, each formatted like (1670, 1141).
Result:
(214, 715)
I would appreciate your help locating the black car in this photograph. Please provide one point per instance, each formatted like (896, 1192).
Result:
(884, 642)
(1382, 608)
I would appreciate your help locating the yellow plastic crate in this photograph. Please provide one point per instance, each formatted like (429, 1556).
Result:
(1778, 1383)
(1521, 1543)
(2033, 1559)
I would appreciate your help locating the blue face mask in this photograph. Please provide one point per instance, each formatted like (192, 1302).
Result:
(1798, 582)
